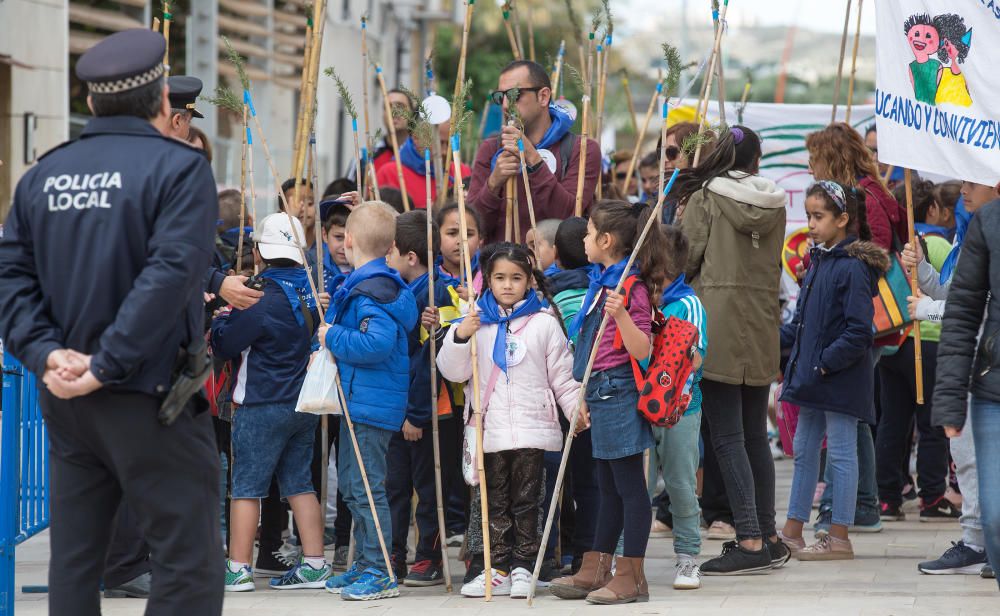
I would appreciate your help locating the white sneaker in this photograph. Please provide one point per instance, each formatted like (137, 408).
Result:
(687, 575)
(520, 583)
(477, 587)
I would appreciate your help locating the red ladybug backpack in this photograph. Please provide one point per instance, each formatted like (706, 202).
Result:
(662, 400)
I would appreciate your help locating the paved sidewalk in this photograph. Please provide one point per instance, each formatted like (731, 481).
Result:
(882, 581)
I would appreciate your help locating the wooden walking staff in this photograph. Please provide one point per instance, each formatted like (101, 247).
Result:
(557, 73)
(475, 405)
(708, 79)
(854, 66)
(303, 98)
(392, 136)
(505, 10)
(642, 133)
(527, 189)
(310, 75)
(720, 73)
(840, 64)
(918, 358)
(167, 18)
(348, 102)
(578, 208)
(438, 489)
(631, 103)
(243, 192)
(599, 56)
(653, 219)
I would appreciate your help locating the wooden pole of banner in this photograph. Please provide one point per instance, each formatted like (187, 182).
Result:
(642, 134)
(392, 136)
(888, 174)
(918, 359)
(653, 219)
(435, 430)
(854, 65)
(476, 403)
(840, 64)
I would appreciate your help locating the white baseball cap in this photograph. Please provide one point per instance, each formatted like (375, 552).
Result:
(276, 240)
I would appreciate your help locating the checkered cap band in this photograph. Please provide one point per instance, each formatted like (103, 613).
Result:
(129, 83)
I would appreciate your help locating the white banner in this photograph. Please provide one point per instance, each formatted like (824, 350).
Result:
(938, 87)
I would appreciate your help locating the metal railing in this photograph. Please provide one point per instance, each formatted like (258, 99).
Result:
(24, 471)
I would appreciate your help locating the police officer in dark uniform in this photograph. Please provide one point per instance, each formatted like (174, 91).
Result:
(184, 91)
(104, 253)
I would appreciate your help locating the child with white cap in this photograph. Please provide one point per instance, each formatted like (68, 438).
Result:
(273, 338)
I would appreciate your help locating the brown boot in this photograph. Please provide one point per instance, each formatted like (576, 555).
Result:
(594, 573)
(629, 584)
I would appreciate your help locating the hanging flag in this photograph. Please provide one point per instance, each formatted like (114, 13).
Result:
(937, 87)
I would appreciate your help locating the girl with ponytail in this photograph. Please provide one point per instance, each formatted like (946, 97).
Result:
(735, 223)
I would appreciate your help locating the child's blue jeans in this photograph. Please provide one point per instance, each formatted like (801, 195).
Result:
(841, 435)
(374, 444)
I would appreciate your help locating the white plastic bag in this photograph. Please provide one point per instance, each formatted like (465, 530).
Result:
(319, 389)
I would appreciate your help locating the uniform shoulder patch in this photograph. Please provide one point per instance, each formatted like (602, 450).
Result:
(363, 326)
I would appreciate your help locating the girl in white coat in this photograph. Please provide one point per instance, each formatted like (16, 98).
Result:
(525, 374)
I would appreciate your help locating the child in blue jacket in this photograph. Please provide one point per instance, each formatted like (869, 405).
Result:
(273, 340)
(367, 331)
(829, 372)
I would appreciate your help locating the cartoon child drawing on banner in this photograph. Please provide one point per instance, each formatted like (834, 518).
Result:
(946, 37)
(955, 43)
(925, 71)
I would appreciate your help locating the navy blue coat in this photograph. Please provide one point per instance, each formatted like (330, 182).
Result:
(276, 348)
(418, 406)
(105, 251)
(830, 367)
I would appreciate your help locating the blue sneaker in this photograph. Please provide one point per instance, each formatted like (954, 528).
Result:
(303, 576)
(372, 585)
(338, 583)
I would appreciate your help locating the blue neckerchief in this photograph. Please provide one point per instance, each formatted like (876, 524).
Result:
(445, 275)
(922, 228)
(232, 236)
(561, 123)
(372, 269)
(551, 270)
(678, 289)
(418, 286)
(962, 219)
(490, 313)
(413, 159)
(599, 278)
(295, 284)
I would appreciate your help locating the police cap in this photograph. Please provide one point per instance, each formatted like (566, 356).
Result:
(123, 61)
(184, 91)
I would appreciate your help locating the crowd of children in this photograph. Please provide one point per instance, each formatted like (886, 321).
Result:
(393, 281)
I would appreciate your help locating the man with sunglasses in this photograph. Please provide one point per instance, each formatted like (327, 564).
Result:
(551, 153)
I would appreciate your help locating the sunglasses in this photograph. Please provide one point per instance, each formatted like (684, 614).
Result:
(672, 152)
(498, 96)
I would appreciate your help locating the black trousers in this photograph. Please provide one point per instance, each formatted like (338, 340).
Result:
(624, 507)
(107, 448)
(515, 478)
(895, 429)
(737, 416)
(714, 500)
(128, 554)
(412, 464)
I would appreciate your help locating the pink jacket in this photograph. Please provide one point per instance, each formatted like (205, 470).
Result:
(522, 411)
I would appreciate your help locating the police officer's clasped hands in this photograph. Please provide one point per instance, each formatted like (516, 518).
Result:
(68, 375)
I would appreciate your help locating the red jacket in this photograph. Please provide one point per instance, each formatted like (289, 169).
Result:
(554, 196)
(416, 185)
(884, 214)
(381, 157)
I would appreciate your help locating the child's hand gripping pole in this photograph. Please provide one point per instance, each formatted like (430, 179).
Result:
(653, 218)
(476, 402)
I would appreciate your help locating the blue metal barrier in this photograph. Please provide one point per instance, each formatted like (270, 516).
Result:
(24, 472)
